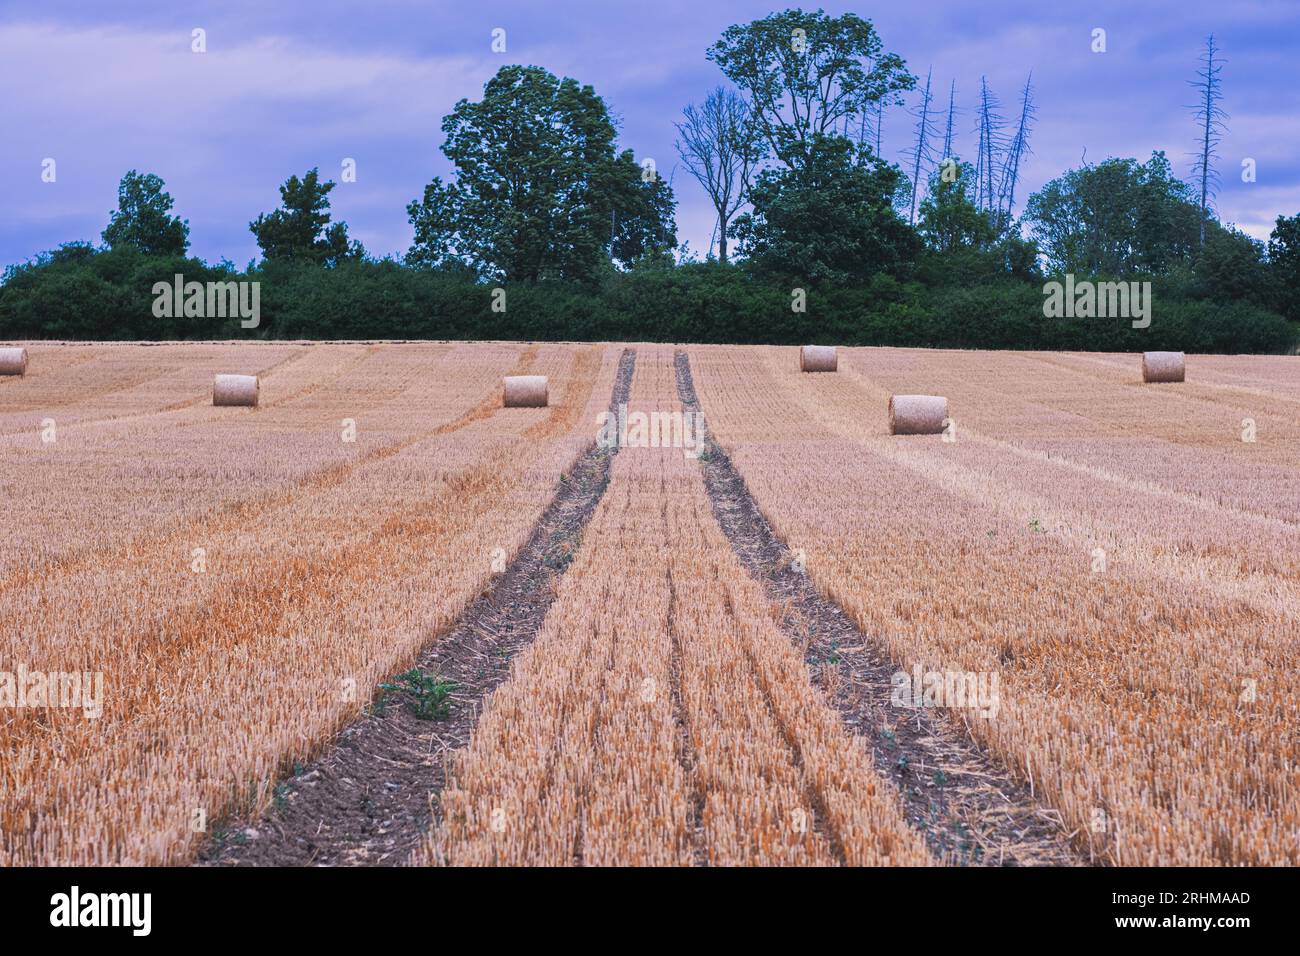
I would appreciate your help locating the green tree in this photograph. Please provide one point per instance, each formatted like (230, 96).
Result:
(645, 212)
(1116, 217)
(1230, 267)
(806, 74)
(1284, 264)
(300, 230)
(539, 191)
(949, 219)
(831, 220)
(143, 218)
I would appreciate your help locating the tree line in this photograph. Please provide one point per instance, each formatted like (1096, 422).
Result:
(818, 237)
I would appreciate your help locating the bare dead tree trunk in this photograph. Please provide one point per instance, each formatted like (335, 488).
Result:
(991, 143)
(947, 136)
(979, 148)
(1019, 146)
(923, 151)
(1212, 122)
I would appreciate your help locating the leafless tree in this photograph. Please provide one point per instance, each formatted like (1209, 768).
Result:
(952, 110)
(1213, 124)
(720, 146)
(1015, 153)
(923, 155)
(992, 144)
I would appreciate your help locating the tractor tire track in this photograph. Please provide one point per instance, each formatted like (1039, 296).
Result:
(373, 795)
(969, 808)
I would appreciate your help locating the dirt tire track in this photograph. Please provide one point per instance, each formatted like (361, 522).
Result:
(372, 796)
(970, 809)
(686, 755)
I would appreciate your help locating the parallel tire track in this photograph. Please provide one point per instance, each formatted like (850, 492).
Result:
(372, 796)
(970, 809)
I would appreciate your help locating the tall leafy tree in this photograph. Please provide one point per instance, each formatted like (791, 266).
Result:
(806, 74)
(1115, 217)
(300, 230)
(539, 191)
(1230, 267)
(644, 214)
(143, 218)
(831, 220)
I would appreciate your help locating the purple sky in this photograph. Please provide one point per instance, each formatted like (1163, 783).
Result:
(284, 86)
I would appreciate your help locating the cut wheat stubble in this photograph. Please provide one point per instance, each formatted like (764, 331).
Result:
(371, 796)
(349, 581)
(1122, 691)
(970, 810)
(676, 725)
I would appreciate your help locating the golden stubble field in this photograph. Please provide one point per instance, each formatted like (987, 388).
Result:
(1114, 554)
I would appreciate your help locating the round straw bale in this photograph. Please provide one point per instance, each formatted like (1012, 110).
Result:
(235, 390)
(917, 414)
(817, 358)
(526, 391)
(13, 361)
(1163, 366)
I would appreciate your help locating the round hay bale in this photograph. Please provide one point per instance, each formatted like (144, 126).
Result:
(917, 414)
(817, 358)
(1163, 366)
(526, 391)
(235, 390)
(13, 361)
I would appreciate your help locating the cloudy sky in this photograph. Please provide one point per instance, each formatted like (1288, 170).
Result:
(103, 88)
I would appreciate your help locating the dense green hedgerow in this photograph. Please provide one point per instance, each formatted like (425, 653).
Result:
(79, 292)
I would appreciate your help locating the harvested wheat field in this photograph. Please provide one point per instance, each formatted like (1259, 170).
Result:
(735, 622)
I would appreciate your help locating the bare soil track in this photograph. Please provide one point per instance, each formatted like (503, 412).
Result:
(371, 797)
(970, 809)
